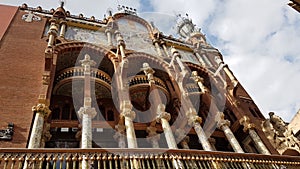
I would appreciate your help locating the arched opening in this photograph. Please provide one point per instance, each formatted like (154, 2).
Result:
(68, 91)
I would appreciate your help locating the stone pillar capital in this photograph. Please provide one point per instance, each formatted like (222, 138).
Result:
(162, 114)
(245, 121)
(87, 62)
(120, 39)
(222, 123)
(42, 109)
(126, 111)
(90, 111)
(53, 30)
(148, 72)
(130, 114)
(196, 77)
(194, 119)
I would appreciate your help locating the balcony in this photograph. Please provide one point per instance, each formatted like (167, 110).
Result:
(140, 158)
(79, 72)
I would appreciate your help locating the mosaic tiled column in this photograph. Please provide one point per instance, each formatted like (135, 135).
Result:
(87, 113)
(129, 115)
(224, 125)
(164, 118)
(195, 121)
(41, 111)
(250, 127)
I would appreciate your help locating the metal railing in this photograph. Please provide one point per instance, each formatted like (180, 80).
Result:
(140, 158)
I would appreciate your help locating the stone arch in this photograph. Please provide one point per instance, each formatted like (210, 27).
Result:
(134, 18)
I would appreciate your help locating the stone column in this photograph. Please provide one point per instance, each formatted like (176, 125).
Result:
(108, 32)
(212, 142)
(250, 127)
(199, 80)
(46, 134)
(153, 137)
(202, 62)
(227, 71)
(176, 56)
(164, 118)
(182, 138)
(120, 135)
(41, 111)
(52, 33)
(149, 73)
(163, 44)
(156, 44)
(86, 113)
(63, 25)
(121, 43)
(224, 125)
(195, 121)
(129, 115)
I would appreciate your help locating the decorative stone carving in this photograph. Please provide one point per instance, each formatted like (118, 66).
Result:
(46, 78)
(90, 111)
(162, 114)
(279, 135)
(41, 113)
(31, 17)
(224, 125)
(126, 109)
(250, 128)
(7, 133)
(148, 72)
(199, 80)
(245, 121)
(163, 117)
(42, 109)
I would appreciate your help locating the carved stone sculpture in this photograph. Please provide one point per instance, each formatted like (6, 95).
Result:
(279, 135)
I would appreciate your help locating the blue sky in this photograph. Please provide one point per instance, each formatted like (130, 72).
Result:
(259, 40)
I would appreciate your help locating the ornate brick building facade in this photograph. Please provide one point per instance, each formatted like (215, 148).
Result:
(127, 95)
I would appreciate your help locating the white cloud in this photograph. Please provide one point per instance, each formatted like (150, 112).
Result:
(258, 37)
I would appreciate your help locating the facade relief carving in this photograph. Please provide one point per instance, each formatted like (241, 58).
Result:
(279, 135)
(6, 134)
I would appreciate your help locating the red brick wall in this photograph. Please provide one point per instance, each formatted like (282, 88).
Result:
(22, 64)
(6, 14)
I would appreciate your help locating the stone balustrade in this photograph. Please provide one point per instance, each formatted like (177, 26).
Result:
(142, 79)
(145, 158)
(79, 71)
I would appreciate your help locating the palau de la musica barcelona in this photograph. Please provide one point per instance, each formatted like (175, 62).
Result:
(117, 93)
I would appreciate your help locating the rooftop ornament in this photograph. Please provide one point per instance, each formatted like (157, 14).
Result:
(127, 10)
